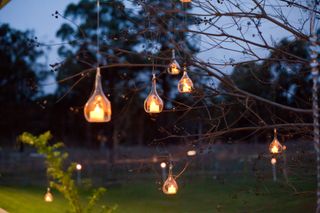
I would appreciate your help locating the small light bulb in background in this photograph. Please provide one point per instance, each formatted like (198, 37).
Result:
(163, 165)
(273, 161)
(78, 166)
(284, 147)
(191, 153)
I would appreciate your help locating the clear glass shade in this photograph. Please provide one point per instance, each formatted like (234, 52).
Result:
(173, 67)
(98, 107)
(170, 186)
(185, 84)
(153, 103)
(48, 197)
(275, 147)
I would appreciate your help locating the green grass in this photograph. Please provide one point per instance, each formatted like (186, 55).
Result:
(198, 196)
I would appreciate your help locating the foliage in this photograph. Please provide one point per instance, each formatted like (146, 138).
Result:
(62, 179)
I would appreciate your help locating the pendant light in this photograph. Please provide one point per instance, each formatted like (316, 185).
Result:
(185, 84)
(173, 67)
(98, 107)
(170, 186)
(48, 197)
(153, 103)
(275, 147)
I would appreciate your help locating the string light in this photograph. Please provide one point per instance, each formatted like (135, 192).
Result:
(275, 147)
(170, 186)
(185, 84)
(98, 107)
(163, 165)
(191, 153)
(78, 166)
(173, 67)
(153, 103)
(48, 197)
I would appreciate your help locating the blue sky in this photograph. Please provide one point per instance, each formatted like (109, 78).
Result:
(36, 15)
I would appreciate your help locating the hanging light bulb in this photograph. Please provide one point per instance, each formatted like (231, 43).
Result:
(48, 197)
(153, 103)
(98, 107)
(275, 147)
(173, 67)
(170, 186)
(185, 84)
(273, 161)
(185, 1)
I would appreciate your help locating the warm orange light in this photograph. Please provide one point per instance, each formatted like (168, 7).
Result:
(173, 67)
(275, 147)
(185, 1)
(170, 186)
(97, 114)
(98, 107)
(154, 106)
(273, 161)
(153, 103)
(48, 197)
(185, 84)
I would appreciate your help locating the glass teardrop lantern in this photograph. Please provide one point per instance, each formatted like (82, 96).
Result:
(48, 197)
(153, 103)
(185, 84)
(173, 67)
(98, 107)
(275, 147)
(170, 186)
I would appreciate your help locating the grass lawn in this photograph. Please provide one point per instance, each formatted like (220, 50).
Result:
(201, 195)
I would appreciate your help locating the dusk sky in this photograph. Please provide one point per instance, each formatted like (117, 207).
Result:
(37, 15)
(34, 14)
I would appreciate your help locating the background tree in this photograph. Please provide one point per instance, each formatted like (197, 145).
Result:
(130, 43)
(20, 74)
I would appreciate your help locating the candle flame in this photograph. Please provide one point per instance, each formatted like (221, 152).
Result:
(274, 149)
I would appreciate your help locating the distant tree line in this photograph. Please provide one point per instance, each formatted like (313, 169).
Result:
(26, 107)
